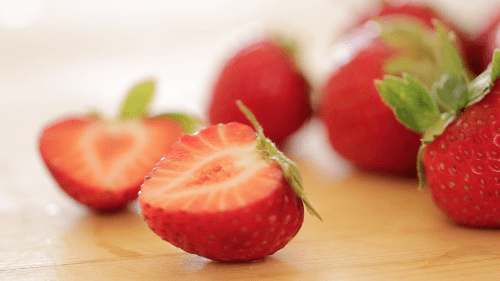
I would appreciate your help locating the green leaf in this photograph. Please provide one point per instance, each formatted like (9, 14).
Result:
(269, 151)
(407, 34)
(414, 43)
(137, 101)
(189, 123)
(410, 101)
(423, 68)
(452, 91)
(447, 51)
(482, 84)
(438, 128)
(495, 65)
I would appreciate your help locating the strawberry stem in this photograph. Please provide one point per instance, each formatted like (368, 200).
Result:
(269, 151)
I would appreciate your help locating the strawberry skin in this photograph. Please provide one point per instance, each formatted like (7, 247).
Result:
(102, 163)
(462, 165)
(214, 195)
(485, 43)
(264, 77)
(360, 126)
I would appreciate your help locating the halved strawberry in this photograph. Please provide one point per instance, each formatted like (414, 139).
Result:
(225, 193)
(102, 163)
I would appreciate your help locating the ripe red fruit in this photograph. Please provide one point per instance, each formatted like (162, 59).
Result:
(102, 163)
(360, 126)
(424, 13)
(262, 75)
(460, 157)
(225, 193)
(485, 44)
(462, 165)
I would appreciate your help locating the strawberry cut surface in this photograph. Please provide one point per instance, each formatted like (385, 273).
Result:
(102, 163)
(214, 195)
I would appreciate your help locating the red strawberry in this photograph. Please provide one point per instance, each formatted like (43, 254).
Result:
(263, 75)
(462, 165)
(102, 163)
(225, 193)
(422, 12)
(460, 156)
(485, 43)
(418, 10)
(360, 126)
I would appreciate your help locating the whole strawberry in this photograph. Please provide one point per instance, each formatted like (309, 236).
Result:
(264, 76)
(459, 159)
(486, 42)
(360, 126)
(101, 163)
(225, 193)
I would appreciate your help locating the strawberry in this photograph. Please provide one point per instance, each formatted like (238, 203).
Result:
(360, 126)
(404, 8)
(485, 43)
(459, 157)
(264, 76)
(423, 12)
(225, 193)
(102, 163)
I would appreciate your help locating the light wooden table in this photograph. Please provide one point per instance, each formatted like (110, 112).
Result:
(374, 228)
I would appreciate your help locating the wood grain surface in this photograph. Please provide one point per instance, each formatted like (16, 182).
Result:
(375, 228)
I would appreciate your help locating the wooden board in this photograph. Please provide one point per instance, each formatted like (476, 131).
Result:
(374, 228)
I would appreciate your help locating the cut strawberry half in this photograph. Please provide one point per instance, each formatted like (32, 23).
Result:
(102, 163)
(213, 171)
(226, 194)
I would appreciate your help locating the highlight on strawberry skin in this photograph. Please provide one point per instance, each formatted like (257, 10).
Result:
(225, 193)
(101, 163)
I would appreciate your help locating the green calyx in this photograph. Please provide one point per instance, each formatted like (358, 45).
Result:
(136, 105)
(268, 150)
(420, 52)
(429, 109)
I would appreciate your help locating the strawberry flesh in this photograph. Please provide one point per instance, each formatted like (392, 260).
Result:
(214, 195)
(101, 163)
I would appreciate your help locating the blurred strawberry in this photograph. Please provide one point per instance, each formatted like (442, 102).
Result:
(424, 13)
(486, 42)
(265, 77)
(101, 163)
(361, 127)
(460, 152)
